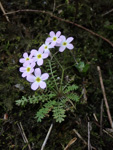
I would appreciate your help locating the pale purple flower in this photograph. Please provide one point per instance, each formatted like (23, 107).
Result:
(26, 59)
(54, 38)
(27, 70)
(37, 79)
(39, 55)
(65, 43)
(46, 47)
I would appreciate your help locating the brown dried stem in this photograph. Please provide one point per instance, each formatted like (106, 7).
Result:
(3, 10)
(63, 20)
(23, 135)
(105, 98)
(78, 134)
(47, 136)
(101, 117)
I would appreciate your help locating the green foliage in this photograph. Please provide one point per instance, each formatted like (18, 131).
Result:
(28, 30)
(73, 97)
(51, 102)
(82, 67)
(53, 99)
(71, 88)
(59, 112)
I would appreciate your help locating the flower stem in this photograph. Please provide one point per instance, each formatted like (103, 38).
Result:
(53, 75)
(62, 79)
(62, 73)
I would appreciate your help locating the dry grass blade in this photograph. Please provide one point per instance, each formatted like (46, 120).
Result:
(70, 143)
(47, 136)
(105, 98)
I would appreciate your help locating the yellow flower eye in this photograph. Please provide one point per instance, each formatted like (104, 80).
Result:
(28, 69)
(39, 56)
(27, 59)
(54, 38)
(64, 43)
(38, 79)
(45, 47)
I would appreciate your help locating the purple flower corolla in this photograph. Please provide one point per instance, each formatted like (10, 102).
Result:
(54, 38)
(37, 79)
(26, 59)
(65, 43)
(27, 70)
(39, 55)
(46, 47)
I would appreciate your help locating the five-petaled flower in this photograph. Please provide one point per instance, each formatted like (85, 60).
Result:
(39, 55)
(46, 47)
(65, 43)
(26, 70)
(54, 38)
(37, 79)
(26, 60)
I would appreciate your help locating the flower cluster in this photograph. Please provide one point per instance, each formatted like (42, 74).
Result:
(38, 56)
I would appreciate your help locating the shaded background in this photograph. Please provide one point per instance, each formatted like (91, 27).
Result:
(28, 30)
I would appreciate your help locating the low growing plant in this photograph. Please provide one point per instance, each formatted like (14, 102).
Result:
(55, 94)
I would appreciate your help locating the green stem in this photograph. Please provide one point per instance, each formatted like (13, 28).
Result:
(58, 63)
(62, 73)
(74, 57)
(53, 75)
(62, 79)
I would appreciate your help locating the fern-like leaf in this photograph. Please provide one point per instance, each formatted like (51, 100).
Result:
(22, 102)
(73, 97)
(59, 113)
(41, 114)
(71, 88)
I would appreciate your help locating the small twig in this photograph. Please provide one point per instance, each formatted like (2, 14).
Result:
(107, 133)
(24, 135)
(47, 136)
(54, 5)
(21, 132)
(104, 130)
(107, 12)
(70, 143)
(80, 137)
(76, 132)
(3, 10)
(105, 98)
(95, 117)
(101, 117)
(89, 129)
(63, 20)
